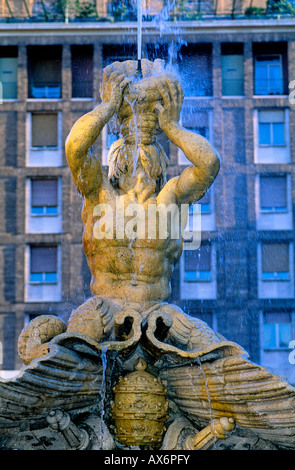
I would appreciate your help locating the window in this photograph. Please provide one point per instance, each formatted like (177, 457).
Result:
(195, 70)
(192, 231)
(232, 69)
(202, 206)
(43, 266)
(44, 139)
(44, 130)
(82, 71)
(8, 72)
(276, 270)
(198, 271)
(273, 193)
(200, 122)
(275, 261)
(110, 135)
(276, 330)
(201, 216)
(274, 202)
(269, 75)
(205, 203)
(43, 273)
(191, 214)
(271, 128)
(44, 205)
(197, 264)
(203, 131)
(271, 135)
(113, 53)
(44, 197)
(156, 51)
(44, 71)
(270, 65)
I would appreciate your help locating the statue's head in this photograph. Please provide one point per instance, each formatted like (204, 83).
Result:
(137, 117)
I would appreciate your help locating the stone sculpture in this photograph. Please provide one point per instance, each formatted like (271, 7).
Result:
(84, 367)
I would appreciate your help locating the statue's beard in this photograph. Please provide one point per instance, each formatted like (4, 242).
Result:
(125, 158)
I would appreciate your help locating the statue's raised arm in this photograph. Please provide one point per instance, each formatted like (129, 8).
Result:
(191, 185)
(85, 167)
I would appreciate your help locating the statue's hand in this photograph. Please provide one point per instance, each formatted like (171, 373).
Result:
(172, 96)
(112, 89)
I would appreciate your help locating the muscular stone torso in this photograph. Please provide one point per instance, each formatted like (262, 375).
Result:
(135, 269)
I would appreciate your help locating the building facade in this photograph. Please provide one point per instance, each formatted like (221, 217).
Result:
(235, 75)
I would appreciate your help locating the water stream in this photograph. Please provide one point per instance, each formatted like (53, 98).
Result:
(162, 24)
(102, 394)
(139, 29)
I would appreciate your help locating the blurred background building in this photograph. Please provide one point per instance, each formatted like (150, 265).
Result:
(236, 60)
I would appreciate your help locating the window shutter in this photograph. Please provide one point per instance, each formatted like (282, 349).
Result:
(198, 260)
(46, 72)
(273, 191)
(8, 77)
(232, 74)
(272, 116)
(277, 317)
(44, 130)
(44, 192)
(44, 259)
(275, 257)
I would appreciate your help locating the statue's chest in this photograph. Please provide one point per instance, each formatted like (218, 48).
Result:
(119, 218)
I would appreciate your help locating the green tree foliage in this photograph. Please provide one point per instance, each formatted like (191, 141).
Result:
(280, 7)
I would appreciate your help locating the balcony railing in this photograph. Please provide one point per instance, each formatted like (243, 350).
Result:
(269, 86)
(125, 10)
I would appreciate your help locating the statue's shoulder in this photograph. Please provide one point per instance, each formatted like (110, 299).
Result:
(105, 193)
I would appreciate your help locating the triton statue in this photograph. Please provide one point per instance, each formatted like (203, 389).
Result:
(186, 376)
